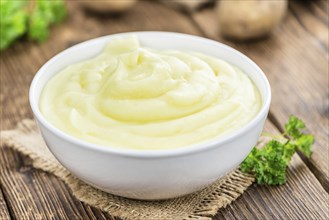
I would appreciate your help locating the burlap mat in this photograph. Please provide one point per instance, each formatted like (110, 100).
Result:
(200, 205)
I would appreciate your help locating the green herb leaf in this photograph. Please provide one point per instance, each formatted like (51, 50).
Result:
(251, 161)
(289, 151)
(269, 164)
(294, 127)
(16, 20)
(13, 21)
(45, 13)
(304, 144)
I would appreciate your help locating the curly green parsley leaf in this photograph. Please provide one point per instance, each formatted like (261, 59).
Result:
(44, 14)
(13, 21)
(269, 164)
(17, 20)
(304, 144)
(294, 127)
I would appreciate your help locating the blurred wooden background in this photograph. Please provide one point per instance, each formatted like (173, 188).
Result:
(294, 58)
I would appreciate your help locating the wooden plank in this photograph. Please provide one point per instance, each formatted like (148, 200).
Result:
(33, 194)
(315, 25)
(323, 5)
(37, 195)
(302, 197)
(4, 212)
(296, 62)
(320, 9)
(96, 214)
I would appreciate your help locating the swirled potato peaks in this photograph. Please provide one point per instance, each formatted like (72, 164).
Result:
(130, 96)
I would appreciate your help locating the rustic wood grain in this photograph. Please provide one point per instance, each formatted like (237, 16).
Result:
(295, 59)
(323, 5)
(4, 212)
(96, 214)
(35, 195)
(319, 8)
(32, 194)
(302, 197)
(312, 19)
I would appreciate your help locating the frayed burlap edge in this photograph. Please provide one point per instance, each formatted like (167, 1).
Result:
(200, 205)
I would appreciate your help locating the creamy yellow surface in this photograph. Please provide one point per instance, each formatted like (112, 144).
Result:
(133, 97)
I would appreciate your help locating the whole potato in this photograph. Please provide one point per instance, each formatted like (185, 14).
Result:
(111, 6)
(243, 20)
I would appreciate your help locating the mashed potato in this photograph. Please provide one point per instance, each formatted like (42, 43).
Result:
(139, 98)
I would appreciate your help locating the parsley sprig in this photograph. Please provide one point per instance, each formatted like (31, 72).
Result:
(269, 164)
(21, 17)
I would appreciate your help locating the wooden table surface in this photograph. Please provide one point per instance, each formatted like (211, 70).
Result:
(294, 58)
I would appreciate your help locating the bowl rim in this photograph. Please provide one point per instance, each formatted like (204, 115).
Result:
(184, 150)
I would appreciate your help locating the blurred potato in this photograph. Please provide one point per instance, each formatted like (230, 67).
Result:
(243, 20)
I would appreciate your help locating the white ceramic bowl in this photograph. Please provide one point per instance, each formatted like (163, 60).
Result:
(151, 174)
